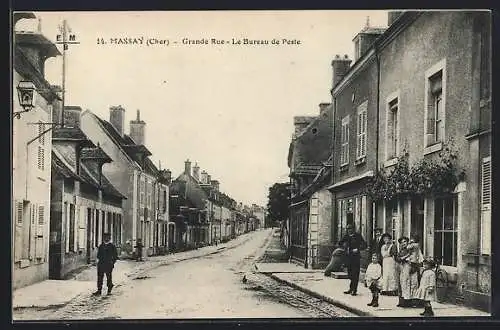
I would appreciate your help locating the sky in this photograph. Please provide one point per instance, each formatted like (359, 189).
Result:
(227, 107)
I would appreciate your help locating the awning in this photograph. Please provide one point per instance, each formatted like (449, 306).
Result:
(298, 203)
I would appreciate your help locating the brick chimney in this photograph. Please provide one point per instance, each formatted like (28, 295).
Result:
(340, 66)
(166, 176)
(323, 107)
(72, 116)
(393, 15)
(215, 184)
(187, 167)
(137, 129)
(365, 39)
(117, 118)
(301, 122)
(196, 172)
(204, 177)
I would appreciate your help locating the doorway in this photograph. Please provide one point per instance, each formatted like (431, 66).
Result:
(89, 232)
(417, 219)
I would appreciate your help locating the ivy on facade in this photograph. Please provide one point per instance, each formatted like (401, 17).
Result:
(430, 175)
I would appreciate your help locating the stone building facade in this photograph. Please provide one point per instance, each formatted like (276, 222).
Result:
(133, 173)
(31, 161)
(442, 101)
(84, 204)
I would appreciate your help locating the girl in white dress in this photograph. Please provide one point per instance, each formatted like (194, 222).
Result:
(389, 266)
(427, 289)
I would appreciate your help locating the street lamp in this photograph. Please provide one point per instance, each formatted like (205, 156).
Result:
(26, 94)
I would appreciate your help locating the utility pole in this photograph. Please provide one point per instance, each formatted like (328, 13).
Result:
(63, 30)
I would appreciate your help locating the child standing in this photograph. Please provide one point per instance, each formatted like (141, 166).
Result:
(372, 279)
(427, 289)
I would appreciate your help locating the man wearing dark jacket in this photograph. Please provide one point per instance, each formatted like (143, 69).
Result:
(376, 244)
(107, 256)
(353, 244)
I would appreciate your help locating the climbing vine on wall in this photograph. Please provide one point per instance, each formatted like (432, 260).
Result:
(430, 175)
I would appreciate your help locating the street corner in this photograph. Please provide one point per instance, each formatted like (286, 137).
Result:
(50, 293)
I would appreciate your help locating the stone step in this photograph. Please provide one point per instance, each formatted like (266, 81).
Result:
(339, 275)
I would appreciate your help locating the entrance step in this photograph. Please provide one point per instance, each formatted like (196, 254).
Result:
(339, 275)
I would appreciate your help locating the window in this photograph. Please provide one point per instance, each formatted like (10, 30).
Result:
(165, 201)
(445, 230)
(361, 145)
(435, 104)
(96, 228)
(486, 206)
(90, 229)
(344, 153)
(142, 184)
(392, 128)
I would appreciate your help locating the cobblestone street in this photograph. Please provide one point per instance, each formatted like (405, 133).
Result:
(210, 286)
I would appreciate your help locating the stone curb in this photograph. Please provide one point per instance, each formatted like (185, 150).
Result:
(337, 303)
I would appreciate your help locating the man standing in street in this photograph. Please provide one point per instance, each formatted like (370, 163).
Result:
(353, 244)
(107, 256)
(376, 244)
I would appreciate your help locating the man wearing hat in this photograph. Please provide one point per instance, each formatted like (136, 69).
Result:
(376, 244)
(106, 256)
(353, 244)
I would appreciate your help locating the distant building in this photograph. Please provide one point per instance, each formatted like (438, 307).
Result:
(188, 208)
(309, 160)
(145, 214)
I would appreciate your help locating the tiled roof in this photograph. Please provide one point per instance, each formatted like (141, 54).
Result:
(129, 147)
(186, 185)
(136, 148)
(95, 153)
(86, 175)
(313, 145)
(70, 133)
(302, 169)
(105, 185)
(110, 189)
(61, 168)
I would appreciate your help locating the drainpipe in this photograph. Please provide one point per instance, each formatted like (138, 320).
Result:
(374, 209)
(334, 194)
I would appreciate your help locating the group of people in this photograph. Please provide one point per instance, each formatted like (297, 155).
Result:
(395, 269)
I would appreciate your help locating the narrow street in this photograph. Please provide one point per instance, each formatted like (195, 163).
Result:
(205, 287)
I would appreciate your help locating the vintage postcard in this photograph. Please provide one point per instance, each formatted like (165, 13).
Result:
(251, 164)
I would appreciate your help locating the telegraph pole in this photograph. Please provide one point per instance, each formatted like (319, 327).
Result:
(63, 31)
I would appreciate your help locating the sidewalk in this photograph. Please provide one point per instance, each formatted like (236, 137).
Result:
(332, 290)
(54, 293)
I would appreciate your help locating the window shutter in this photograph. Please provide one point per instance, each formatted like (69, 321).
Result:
(40, 242)
(81, 229)
(41, 138)
(33, 232)
(486, 182)
(390, 131)
(18, 231)
(431, 117)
